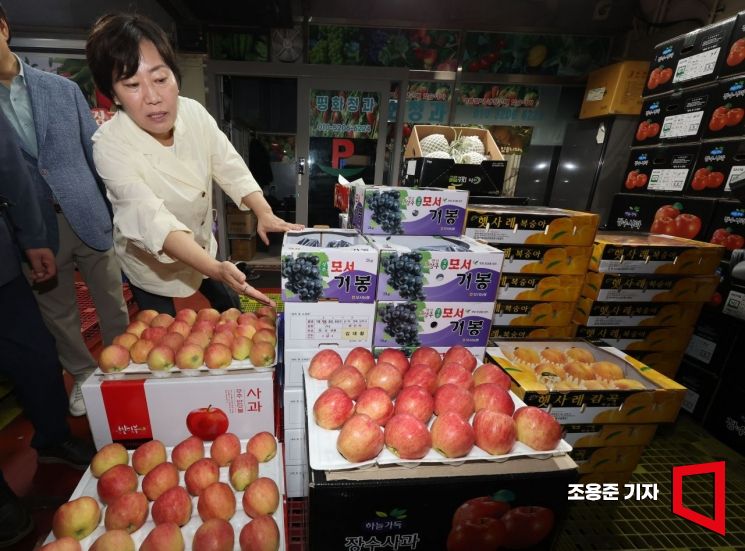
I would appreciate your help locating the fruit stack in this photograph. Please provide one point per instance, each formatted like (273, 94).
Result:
(546, 252)
(643, 293)
(198, 495)
(435, 291)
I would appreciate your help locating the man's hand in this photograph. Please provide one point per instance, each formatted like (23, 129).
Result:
(43, 266)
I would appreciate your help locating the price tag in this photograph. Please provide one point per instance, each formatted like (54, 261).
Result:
(701, 349)
(689, 401)
(735, 305)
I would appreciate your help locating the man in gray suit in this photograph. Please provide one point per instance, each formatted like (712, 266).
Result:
(54, 126)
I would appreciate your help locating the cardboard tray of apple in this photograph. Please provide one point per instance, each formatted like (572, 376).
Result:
(90, 485)
(326, 453)
(207, 341)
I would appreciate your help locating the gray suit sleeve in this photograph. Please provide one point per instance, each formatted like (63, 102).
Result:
(88, 127)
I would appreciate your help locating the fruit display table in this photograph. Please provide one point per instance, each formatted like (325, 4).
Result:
(437, 507)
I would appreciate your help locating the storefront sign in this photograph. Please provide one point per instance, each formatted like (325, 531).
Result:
(428, 102)
(344, 114)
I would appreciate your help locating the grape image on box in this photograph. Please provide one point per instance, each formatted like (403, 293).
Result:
(401, 322)
(303, 277)
(387, 211)
(405, 274)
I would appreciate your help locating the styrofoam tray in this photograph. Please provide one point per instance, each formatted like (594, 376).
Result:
(324, 456)
(273, 469)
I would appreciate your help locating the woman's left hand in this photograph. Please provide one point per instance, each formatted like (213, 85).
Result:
(270, 222)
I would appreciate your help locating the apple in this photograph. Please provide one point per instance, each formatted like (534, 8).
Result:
(324, 363)
(140, 351)
(415, 401)
(492, 396)
(247, 318)
(203, 326)
(265, 335)
(148, 455)
(385, 376)
(201, 339)
(247, 331)
(126, 340)
(349, 379)
(224, 448)
(452, 373)
(208, 314)
(76, 518)
(407, 437)
(161, 478)
(113, 358)
(263, 446)
(454, 398)
(527, 526)
(480, 507)
(164, 537)
(118, 480)
(136, 328)
(217, 356)
(260, 534)
(267, 311)
(483, 534)
(162, 320)
(537, 428)
(396, 358)
(127, 512)
(174, 341)
(266, 323)
(241, 348)
(427, 356)
(262, 353)
(226, 326)
(460, 354)
(495, 432)
(243, 470)
(107, 457)
(161, 358)
(261, 497)
(332, 408)
(154, 334)
(174, 505)
(201, 474)
(180, 327)
(231, 314)
(452, 435)
(217, 501)
(421, 375)
(187, 452)
(490, 373)
(190, 356)
(146, 316)
(66, 543)
(361, 359)
(360, 439)
(222, 337)
(215, 534)
(376, 404)
(187, 315)
(114, 540)
(207, 423)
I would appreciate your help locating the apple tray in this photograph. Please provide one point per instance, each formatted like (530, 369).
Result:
(324, 456)
(273, 469)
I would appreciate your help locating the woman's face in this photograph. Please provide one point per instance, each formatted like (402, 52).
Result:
(150, 96)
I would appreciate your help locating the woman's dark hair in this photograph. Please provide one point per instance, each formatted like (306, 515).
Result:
(4, 17)
(113, 49)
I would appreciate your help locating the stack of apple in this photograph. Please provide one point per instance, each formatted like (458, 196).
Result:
(392, 403)
(168, 491)
(193, 339)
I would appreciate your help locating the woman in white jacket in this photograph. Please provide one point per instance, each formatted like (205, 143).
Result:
(158, 157)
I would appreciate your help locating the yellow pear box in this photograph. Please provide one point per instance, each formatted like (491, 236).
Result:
(524, 313)
(648, 253)
(657, 339)
(595, 436)
(593, 313)
(606, 459)
(531, 332)
(626, 392)
(540, 287)
(530, 225)
(648, 288)
(545, 259)
(666, 363)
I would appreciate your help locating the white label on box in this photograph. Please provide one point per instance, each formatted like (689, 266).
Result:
(678, 126)
(627, 267)
(296, 448)
(595, 94)
(411, 168)
(324, 324)
(294, 408)
(736, 173)
(696, 66)
(667, 179)
(701, 349)
(690, 399)
(735, 305)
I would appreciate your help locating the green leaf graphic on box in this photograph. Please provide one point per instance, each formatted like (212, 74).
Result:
(398, 513)
(504, 495)
(420, 310)
(426, 257)
(323, 263)
(381, 514)
(634, 410)
(612, 435)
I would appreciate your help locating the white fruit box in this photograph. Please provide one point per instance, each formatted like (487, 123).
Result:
(328, 323)
(324, 456)
(297, 480)
(295, 360)
(273, 469)
(137, 408)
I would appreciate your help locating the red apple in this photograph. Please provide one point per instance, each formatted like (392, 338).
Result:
(216, 501)
(174, 341)
(360, 439)
(107, 457)
(125, 339)
(263, 446)
(200, 475)
(416, 401)
(76, 518)
(113, 358)
(262, 353)
(421, 375)
(214, 535)
(261, 497)
(203, 326)
(407, 437)
(148, 455)
(162, 320)
(136, 328)
(173, 505)
(376, 404)
(226, 326)
(186, 315)
(217, 356)
(349, 379)
(161, 478)
(247, 331)
(187, 452)
(452, 436)
(140, 350)
(452, 373)
(161, 358)
(527, 526)
(267, 324)
(324, 363)
(241, 347)
(495, 432)
(117, 481)
(267, 311)
(146, 316)
(387, 377)
(460, 354)
(164, 537)
(68, 543)
(537, 428)
(492, 396)
(244, 469)
(427, 356)
(361, 359)
(454, 398)
(127, 512)
(396, 358)
(261, 534)
(190, 356)
(490, 373)
(154, 334)
(225, 448)
(231, 314)
(332, 408)
(112, 540)
(208, 314)
(180, 327)
(201, 339)
(248, 318)
(265, 335)
(222, 337)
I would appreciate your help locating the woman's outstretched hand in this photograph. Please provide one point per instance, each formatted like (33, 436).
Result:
(236, 280)
(270, 222)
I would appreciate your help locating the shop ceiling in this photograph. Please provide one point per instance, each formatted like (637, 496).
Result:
(568, 16)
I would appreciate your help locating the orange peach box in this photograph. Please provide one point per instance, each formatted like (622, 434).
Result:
(531, 332)
(666, 363)
(596, 436)
(607, 459)
(524, 313)
(540, 287)
(544, 259)
(657, 339)
(648, 288)
(593, 313)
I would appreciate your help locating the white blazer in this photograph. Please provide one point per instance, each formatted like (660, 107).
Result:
(155, 190)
